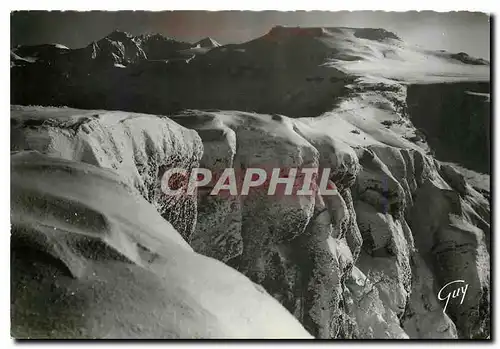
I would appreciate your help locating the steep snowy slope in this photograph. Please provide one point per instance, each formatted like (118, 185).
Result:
(92, 259)
(364, 263)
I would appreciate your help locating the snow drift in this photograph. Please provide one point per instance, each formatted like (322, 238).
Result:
(139, 147)
(92, 259)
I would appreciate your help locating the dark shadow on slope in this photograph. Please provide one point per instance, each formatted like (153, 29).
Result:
(455, 118)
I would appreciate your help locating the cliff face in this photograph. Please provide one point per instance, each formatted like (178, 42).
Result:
(366, 262)
(402, 226)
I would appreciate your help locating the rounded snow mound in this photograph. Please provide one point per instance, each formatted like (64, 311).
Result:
(91, 259)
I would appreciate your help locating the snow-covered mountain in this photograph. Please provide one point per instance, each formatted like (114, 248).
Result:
(207, 42)
(403, 129)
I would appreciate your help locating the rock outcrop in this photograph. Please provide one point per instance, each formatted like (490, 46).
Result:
(457, 124)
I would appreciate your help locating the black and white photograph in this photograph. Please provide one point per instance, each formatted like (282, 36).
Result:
(250, 175)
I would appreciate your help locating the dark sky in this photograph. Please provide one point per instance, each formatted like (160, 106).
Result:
(452, 31)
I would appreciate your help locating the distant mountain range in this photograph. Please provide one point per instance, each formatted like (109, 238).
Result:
(299, 71)
(116, 48)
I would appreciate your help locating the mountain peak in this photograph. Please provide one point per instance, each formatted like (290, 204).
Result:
(286, 31)
(207, 42)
